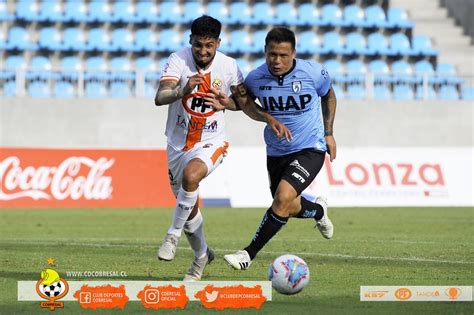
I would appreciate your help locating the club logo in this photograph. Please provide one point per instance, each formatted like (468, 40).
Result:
(296, 86)
(51, 287)
(217, 84)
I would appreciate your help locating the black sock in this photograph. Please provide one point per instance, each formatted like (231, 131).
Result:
(310, 210)
(270, 225)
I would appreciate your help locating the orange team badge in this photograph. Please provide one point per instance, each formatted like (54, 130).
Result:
(105, 296)
(231, 297)
(403, 294)
(163, 297)
(51, 287)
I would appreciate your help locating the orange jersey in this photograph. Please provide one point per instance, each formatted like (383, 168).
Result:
(190, 121)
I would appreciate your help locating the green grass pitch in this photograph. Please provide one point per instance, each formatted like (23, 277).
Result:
(371, 246)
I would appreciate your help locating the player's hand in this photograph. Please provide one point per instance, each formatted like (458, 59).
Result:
(279, 128)
(331, 145)
(217, 99)
(193, 81)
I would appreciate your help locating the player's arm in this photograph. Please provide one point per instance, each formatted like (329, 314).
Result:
(169, 90)
(328, 107)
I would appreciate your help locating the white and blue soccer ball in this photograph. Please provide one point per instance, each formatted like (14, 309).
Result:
(289, 274)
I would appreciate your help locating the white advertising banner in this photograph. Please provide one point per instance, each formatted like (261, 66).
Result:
(358, 177)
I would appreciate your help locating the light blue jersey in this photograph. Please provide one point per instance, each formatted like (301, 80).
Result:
(294, 100)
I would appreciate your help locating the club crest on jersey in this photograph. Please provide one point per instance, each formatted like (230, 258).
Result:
(217, 84)
(296, 86)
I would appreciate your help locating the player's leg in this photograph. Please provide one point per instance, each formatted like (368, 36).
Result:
(194, 171)
(212, 156)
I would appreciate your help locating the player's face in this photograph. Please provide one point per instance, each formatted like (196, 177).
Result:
(203, 49)
(279, 57)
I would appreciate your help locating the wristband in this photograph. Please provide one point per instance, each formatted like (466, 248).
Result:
(327, 133)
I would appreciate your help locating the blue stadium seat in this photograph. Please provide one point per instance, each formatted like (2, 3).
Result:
(38, 89)
(398, 18)
(263, 13)
(124, 12)
(150, 89)
(430, 92)
(244, 66)
(146, 40)
(218, 10)
(40, 68)
(147, 12)
(380, 70)
(20, 39)
(9, 88)
(356, 71)
(331, 15)
(308, 43)
(382, 92)
(355, 44)
(3, 41)
(192, 9)
(170, 40)
(467, 93)
(170, 12)
(239, 13)
(400, 44)
(308, 14)
(448, 92)
(335, 69)
(74, 39)
(355, 92)
(75, 11)
(258, 41)
(402, 72)
(99, 11)
(446, 74)
(353, 16)
(27, 10)
(375, 17)
(258, 62)
(403, 92)
(5, 15)
(421, 46)
(96, 69)
(150, 68)
(338, 90)
(286, 14)
(49, 38)
(122, 40)
(332, 43)
(51, 11)
(121, 69)
(70, 67)
(64, 89)
(422, 68)
(377, 45)
(14, 62)
(95, 89)
(225, 44)
(98, 39)
(119, 89)
(162, 62)
(240, 42)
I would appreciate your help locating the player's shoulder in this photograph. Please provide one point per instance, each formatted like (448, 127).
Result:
(309, 65)
(184, 54)
(258, 72)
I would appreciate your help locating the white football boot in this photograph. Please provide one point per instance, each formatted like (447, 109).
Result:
(240, 260)
(197, 266)
(168, 248)
(324, 225)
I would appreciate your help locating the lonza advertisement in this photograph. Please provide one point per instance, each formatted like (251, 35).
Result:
(47, 178)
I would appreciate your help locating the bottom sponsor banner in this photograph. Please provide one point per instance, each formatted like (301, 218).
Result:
(152, 294)
(416, 293)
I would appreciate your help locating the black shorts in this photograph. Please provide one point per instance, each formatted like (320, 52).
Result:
(299, 169)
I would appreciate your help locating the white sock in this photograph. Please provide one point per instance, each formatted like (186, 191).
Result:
(195, 235)
(184, 204)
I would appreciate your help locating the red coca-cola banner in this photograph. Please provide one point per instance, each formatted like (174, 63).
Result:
(46, 178)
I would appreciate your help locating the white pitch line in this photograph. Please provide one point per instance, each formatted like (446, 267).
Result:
(412, 259)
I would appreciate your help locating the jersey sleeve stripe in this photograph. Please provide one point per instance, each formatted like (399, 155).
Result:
(169, 79)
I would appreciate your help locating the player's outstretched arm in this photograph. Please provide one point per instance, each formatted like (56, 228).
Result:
(328, 106)
(169, 91)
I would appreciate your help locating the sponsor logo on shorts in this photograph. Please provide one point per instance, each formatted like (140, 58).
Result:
(300, 168)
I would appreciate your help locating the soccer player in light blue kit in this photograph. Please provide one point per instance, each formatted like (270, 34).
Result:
(289, 89)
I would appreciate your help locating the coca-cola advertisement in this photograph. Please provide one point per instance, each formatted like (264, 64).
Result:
(45, 178)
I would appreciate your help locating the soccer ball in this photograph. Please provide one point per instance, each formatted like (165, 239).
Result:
(52, 290)
(289, 274)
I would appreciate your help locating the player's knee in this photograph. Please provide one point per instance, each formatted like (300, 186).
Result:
(282, 205)
(191, 178)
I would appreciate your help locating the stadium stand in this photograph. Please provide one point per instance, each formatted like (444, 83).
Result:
(372, 48)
